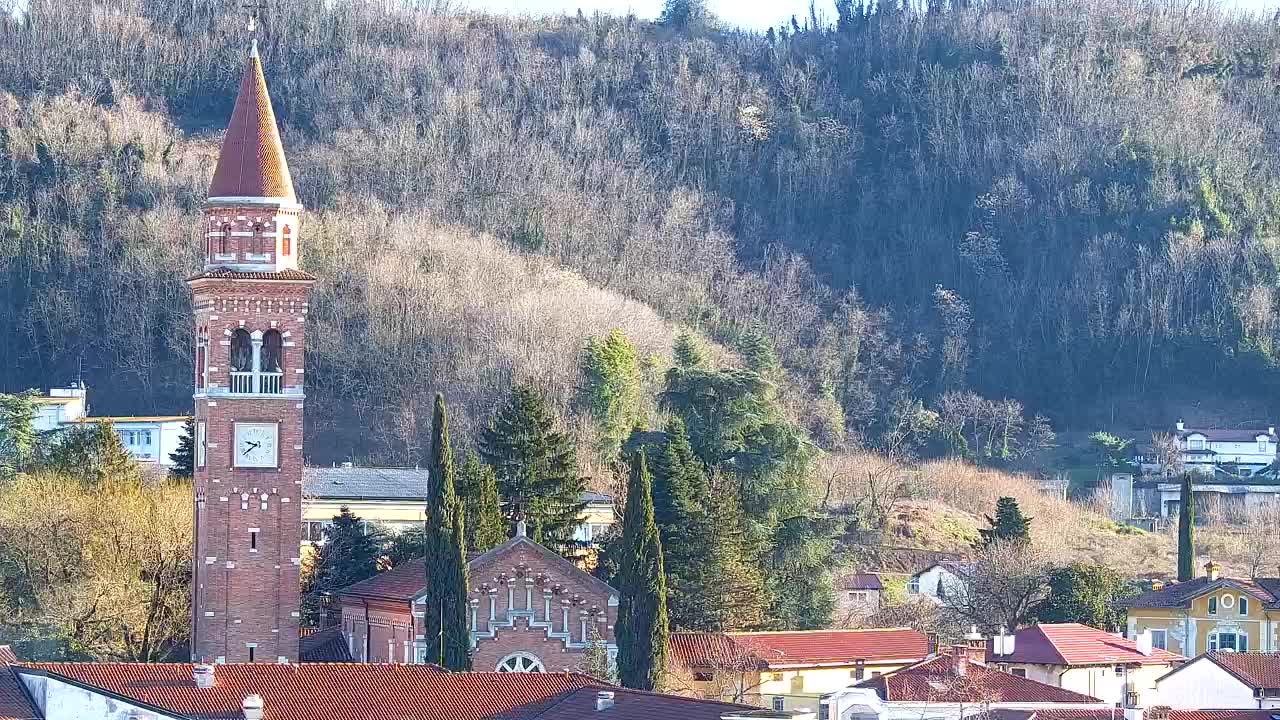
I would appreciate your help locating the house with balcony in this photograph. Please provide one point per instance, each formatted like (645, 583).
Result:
(1239, 451)
(1209, 613)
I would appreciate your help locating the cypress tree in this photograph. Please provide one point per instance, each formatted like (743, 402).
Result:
(1186, 531)
(642, 610)
(482, 509)
(445, 614)
(1009, 524)
(536, 467)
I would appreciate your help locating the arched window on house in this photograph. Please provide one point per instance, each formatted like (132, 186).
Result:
(521, 662)
(286, 241)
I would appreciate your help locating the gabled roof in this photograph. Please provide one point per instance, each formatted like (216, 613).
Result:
(936, 680)
(409, 580)
(1077, 644)
(1228, 434)
(1180, 595)
(799, 648)
(1258, 671)
(629, 705)
(251, 163)
(322, 691)
(861, 581)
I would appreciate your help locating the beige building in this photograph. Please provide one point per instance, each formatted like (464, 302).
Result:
(394, 499)
(1085, 660)
(1210, 613)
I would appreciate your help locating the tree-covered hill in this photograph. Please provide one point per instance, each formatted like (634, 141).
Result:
(1057, 202)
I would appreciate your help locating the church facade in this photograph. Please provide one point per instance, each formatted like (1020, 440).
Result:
(250, 307)
(530, 611)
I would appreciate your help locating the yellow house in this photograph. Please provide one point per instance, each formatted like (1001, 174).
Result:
(394, 499)
(1210, 612)
(786, 670)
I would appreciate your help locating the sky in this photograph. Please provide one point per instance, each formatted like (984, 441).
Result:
(756, 14)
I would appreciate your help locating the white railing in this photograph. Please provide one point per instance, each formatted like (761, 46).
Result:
(250, 383)
(242, 383)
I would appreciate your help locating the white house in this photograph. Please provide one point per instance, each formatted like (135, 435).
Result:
(1245, 450)
(148, 438)
(1224, 680)
(938, 582)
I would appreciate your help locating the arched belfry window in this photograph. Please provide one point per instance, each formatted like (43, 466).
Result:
(241, 351)
(272, 352)
(222, 240)
(286, 241)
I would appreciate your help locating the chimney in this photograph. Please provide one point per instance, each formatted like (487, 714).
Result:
(1211, 570)
(1271, 429)
(604, 700)
(1143, 641)
(976, 644)
(1180, 426)
(252, 707)
(960, 660)
(203, 675)
(1002, 644)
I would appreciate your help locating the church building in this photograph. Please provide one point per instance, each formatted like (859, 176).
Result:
(250, 308)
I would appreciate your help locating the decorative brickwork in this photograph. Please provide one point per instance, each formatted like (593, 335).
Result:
(250, 308)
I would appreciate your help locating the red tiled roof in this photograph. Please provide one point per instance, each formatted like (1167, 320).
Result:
(834, 647)
(403, 582)
(1110, 714)
(798, 648)
(1257, 670)
(13, 699)
(252, 163)
(1177, 595)
(7, 655)
(1077, 644)
(324, 691)
(220, 273)
(935, 680)
(630, 705)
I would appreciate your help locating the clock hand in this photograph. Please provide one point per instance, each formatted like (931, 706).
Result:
(251, 446)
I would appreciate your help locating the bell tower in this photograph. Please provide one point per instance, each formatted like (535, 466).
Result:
(250, 307)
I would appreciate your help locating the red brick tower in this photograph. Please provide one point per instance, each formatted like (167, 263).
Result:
(250, 305)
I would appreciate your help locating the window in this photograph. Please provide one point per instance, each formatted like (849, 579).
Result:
(1196, 443)
(1019, 672)
(1243, 605)
(1213, 606)
(272, 351)
(258, 241)
(779, 703)
(1231, 640)
(222, 240)
(286, 241)
(858, 596)
(913, 586)
(200, 444)
(1160, 639)
(520, 662)
(1262, 446)
(858, 673)
(313, 530)
(146, 437)
(253, 541)
(252, 647)
(241, 351)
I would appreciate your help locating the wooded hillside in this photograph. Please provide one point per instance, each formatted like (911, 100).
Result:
(1055, 202)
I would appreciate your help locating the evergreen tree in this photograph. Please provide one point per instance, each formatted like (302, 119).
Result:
(536, 468)
(611, 388)
(1186, 530)
(18, 437)
(1087, 594)
(642, 610)
(348, 554)
(93, 453)
(686, 15)
(757, 351)
(445, 615)
(679, 491)
(408, 544)
(800, 588)
(687, 352)
(482, 509)
(1009, 524)
(184, 457)
(730, 584)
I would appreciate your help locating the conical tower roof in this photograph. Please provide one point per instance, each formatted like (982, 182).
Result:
(252, 164)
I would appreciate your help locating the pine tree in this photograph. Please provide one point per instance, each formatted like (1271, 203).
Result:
(687, 353)
(1009, 524)
(536, 467)
(184, 457)
(445, 615)
(757, 351)
(348, 554)
(679, 491)
(482, 509)
(18, 436)
(94, 454)
(1186, 530)
(642, 609)
(611, 388)
(729, 582)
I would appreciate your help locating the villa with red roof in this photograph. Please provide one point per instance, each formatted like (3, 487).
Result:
(1083, 659)
(786, 670)
(1224, 680)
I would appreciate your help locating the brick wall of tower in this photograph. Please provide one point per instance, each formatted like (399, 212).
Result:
(243, 594)
(233, 231)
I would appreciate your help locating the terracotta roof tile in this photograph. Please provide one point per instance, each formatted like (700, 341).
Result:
(935, 680)
(800, 648)
(1257, 670)
(403, 582)
(252, 163)
(1174, 595)
(325, 691)
(1109, 714)
(220, 273)
(629, 705)
(1077, 644)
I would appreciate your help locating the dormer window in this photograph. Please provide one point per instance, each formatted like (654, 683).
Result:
(1196, 443)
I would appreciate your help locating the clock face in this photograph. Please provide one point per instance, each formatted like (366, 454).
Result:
(255, 445)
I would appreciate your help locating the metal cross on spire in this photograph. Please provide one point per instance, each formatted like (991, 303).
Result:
(252, 8)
